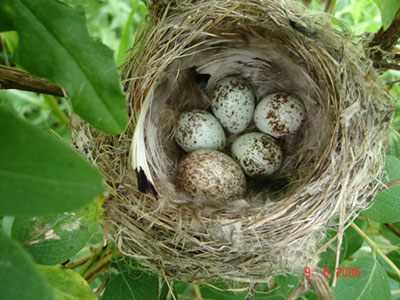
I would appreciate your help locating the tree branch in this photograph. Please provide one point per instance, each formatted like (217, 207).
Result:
(11, 78)
(385, 40)
(393, 229)
(386, 66)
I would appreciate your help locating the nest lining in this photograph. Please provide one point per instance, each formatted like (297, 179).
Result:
(332, 165)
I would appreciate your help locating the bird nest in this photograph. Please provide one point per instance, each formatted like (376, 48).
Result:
(331, 169)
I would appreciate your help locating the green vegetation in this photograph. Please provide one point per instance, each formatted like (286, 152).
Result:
(46, 253)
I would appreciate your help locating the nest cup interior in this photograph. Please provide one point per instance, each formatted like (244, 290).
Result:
(271, 57)
(330, 164)
(268, 66)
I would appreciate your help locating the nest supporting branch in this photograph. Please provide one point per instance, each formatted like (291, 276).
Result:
(386, 40)
(11, 78)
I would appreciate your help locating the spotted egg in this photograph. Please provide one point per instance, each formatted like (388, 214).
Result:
(210, 175)
(279, 114)
(232, 102)
(199, 129)
(257, 153)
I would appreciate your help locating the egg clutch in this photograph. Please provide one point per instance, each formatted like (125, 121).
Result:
(240, 136)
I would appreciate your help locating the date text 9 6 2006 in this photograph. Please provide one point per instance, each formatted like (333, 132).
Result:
(340, 272)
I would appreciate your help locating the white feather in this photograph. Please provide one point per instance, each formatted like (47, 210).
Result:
(138, 146)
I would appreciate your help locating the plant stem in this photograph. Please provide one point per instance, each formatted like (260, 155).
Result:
(393, 229)
(330, 7)
(11, 78)
(102, 287)
(78, 263)
(388, 247)
(197, 292)
(386, 40)
(376, 248)
(98, 269)
(3, 47)
(55, 108)
(91, 260)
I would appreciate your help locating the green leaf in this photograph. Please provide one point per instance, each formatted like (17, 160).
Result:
(287, 284)
(19, 278)
(5, 23)
(354, 240)
(127, 36)
(183, 288)
(272, 295)
(132, 283)
(7, 224)
(386, 206)
(54, 43)
(388, 9)
(67, 284)
(54, 239)
(38, 109)
(39, 173)
(372, 283)
(310, 295)
(341, 4)
(328, 257)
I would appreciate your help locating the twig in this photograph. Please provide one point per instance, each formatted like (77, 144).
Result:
(78, 263)
(386, 40)
(298, 291)
(11, 78)
(101, 287)
(393, 229)
(376, 248)
(390, 184)
(320, 285)
(100, 267)
(330, 7)
(387, 66)
(393, 82)
(94, 257)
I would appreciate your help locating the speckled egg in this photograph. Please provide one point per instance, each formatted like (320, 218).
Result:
(232, 102)
(210, 175)
(279, 114)
(199, 129)
(257, 153)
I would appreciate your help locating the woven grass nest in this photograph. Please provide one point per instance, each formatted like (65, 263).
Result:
(332, 166)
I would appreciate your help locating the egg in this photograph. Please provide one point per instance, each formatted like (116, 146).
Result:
(199, 129)
(210, 175)
(232, 103)
(279, 115)
(257, 153)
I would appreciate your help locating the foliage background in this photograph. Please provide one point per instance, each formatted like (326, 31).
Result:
(61, 255)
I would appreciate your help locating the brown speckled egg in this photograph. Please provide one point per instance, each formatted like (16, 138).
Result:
(210, 175)
(198, 129)
(257, 153)
(232, 103)
(279, 114)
